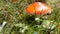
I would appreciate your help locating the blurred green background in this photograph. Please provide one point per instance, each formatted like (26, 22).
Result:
(18, 22)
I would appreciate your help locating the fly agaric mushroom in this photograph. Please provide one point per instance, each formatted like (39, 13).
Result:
(38, 8)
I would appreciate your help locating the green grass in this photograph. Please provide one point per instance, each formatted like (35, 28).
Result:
(17, 19)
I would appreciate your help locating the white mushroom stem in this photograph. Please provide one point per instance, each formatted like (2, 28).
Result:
(1, 27)
(3, 24)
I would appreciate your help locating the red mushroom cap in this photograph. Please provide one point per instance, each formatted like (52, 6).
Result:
(38, 8)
